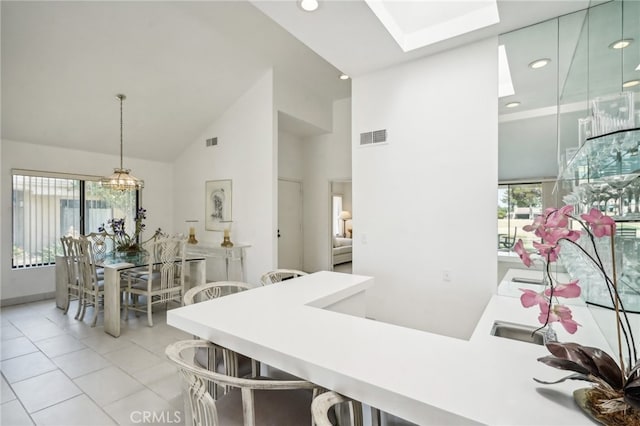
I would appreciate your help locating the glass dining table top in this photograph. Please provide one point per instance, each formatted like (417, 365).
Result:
(138, 258)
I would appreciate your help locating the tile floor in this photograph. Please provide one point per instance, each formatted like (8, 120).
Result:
(60, 371)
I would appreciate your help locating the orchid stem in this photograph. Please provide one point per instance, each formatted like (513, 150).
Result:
(616, 301)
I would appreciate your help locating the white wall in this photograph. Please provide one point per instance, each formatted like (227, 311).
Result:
(290, 158)
(298, 100)
(155, 198)
(245, 154)
(327, 158)
(425, 202)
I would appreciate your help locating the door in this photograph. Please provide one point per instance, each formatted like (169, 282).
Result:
(290, 237)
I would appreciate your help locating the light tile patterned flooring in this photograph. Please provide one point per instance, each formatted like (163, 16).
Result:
(60, 371)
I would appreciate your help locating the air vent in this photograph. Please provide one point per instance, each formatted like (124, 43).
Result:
(376, 136)
(212, 141)
(366, 138)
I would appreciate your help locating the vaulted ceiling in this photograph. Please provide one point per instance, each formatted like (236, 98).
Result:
(181, 64)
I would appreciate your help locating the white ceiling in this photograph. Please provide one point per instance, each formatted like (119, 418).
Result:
(181, 64)
(347, 33)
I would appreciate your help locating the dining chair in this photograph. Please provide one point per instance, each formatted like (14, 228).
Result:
(92, 285)
(164, 280)
(214, 360)
(250, 401)
(331, 408)
(212, 290)
(100, 246)
(327, 409)
(279, 275)
(73, 284)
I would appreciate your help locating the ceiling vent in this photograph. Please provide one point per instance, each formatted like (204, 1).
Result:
(212, 142)
(374, 137)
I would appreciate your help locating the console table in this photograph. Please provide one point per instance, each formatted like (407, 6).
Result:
(229, 254)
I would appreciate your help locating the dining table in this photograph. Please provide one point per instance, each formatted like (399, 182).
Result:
(114, 263)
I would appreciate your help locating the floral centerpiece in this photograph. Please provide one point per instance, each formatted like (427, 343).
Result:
(122, 241)
(614, 397)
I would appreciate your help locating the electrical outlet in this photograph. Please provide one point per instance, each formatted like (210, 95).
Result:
(446, 275)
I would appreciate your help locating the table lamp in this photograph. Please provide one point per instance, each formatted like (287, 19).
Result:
(344, 216)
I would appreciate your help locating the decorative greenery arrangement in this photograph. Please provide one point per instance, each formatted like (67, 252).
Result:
(615, 395)
(123, 241)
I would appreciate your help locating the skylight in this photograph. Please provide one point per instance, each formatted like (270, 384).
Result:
(505, 85)
(415, 24)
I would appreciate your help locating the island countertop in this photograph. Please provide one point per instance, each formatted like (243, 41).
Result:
(315, 327)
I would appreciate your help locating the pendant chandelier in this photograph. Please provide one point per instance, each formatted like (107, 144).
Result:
(121, 179)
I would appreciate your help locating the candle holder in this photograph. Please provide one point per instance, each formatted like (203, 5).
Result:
(192, 233)
(226, 242)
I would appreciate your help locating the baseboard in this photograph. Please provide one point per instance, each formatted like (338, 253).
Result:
(27, 299)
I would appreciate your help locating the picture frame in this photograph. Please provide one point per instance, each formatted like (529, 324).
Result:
(218, 204)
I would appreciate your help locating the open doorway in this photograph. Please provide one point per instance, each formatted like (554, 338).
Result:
(341, 226)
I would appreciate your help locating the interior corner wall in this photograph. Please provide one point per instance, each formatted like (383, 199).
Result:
(299, 101)
(327, 157)
(30, 284)
(245, 154)
(425, 202)
(290, 158)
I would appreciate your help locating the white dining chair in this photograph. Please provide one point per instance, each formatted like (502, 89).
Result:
(92, 286)
(73, 284)
(327, 409)
(250, 401)
(164, 280)
(214, 360)
(280, 275)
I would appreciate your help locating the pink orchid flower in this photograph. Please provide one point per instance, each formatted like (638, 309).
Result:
(530, 298)
(599, 223)
(553, 235)
(558, 313)
(569, 290)
(559, 218)
(538, 223)
(548, 251)
(520, 251)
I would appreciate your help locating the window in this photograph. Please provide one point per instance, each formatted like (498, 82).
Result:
(47, 206)
(336, 208)
(518, 205)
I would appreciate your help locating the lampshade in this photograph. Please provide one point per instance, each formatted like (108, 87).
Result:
(344, 215)
(121, 179)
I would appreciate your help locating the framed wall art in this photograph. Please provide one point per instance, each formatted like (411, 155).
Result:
(218, 195)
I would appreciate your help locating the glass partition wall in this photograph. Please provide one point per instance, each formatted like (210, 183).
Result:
(596, 57)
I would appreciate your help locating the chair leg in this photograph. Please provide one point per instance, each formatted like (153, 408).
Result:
(80, 302)
(66, 307)
(95, 311)
(135, 304)
(126, 297)
(149, 313)
(83, 310)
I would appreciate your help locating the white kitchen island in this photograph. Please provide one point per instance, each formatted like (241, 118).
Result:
(314, 327)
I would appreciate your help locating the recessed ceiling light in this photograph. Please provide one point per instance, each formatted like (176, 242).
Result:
(621, 44)
(308, 5)
(512, 104)
(630, 83)
(344, 77)
(539, 63)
